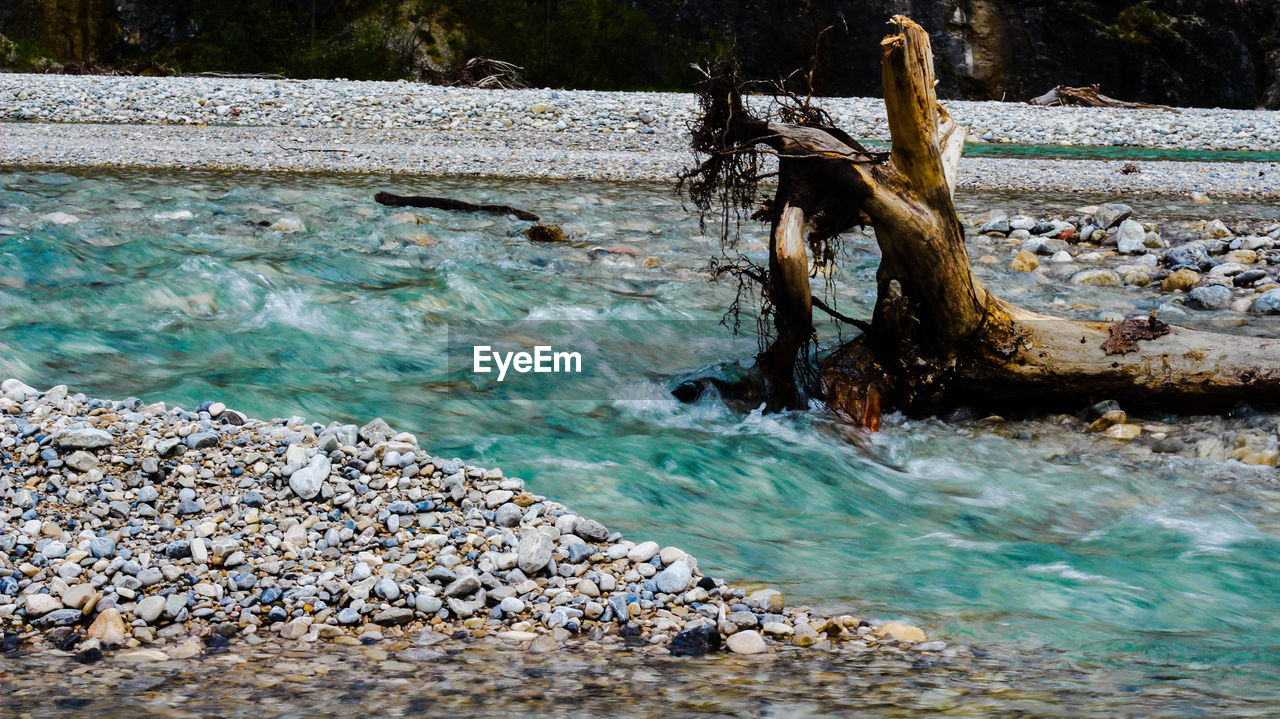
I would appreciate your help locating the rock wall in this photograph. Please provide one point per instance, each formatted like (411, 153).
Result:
(1180, 52)
(72, 29)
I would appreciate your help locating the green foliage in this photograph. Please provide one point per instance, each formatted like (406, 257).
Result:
(1139, 23)
(21, 56)
(297, 38)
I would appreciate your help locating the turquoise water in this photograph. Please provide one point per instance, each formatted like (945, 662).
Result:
(1143, 571)
(1110, 152)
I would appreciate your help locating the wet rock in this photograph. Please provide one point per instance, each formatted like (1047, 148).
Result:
(1124, 431)
(1248, 277)
(1209, 297)
(1183, 279)
(746, 642)
(1111, 214)
(1268, 303)
(998, 225)
(1192, 255)
(1216, 229)
(288, 225)
(1097, 278)
(695, 642)
(768, 600)
(1131, 238)
(901, 632)
(1114, 417)
(1024, 261)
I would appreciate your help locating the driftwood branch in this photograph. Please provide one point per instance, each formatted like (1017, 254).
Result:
(1089, 97)
(446, 203)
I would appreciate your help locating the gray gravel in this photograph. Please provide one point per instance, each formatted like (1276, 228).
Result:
(391, 105)
(532, 154)
(149, 544)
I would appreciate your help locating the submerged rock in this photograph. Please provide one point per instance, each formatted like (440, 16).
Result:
(695, 642)
(1209, 297)
(1268, 303)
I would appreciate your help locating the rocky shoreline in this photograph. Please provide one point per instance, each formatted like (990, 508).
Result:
(156, 533)
(533, 155)
(372, 127)
(403, 105)
(1195, 267)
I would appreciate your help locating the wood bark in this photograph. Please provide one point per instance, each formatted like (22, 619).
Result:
(1089, 97)
(938, 336)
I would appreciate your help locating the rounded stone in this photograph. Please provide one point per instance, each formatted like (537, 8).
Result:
(746, 642)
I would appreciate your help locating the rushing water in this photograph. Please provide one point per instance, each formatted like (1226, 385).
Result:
(1150, 577)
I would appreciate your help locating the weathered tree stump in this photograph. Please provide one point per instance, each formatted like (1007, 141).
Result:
(938, 337)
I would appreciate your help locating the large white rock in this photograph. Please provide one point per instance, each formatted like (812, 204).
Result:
(306, 482)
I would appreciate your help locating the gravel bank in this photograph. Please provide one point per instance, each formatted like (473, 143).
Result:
(148, 525)
(532, 154)
(396, 105)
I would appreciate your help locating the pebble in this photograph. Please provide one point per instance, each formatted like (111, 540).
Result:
(534, 553)
(149, 609)
(39, 604)
(1209, 297)
(746, 642)
(1268, 303)
(82, 438)
(901, 632)
(256, 558)
(604, 135)
(674, 579)
(308, 481)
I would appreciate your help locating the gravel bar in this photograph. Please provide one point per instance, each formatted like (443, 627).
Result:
(154, 531)
(396, 105)
(533, 154)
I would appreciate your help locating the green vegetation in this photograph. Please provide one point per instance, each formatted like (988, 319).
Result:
(1139, 23)
(603, 44)
(290, 37)
(22, 55)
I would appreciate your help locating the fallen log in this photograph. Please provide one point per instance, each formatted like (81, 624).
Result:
(1089, 97)
(937, 337)
(446, 203)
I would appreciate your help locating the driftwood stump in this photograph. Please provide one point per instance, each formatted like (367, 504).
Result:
(938, 337)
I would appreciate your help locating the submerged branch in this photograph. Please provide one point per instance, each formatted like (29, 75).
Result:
(446, 203)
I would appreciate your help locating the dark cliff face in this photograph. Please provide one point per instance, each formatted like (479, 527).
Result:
(1208, 53)
(1180, 52)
